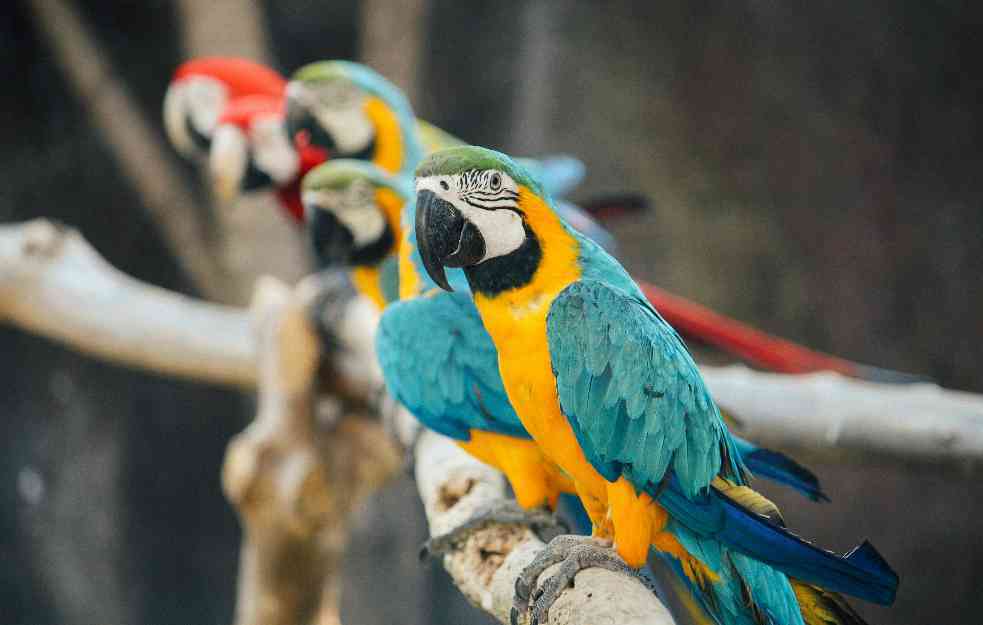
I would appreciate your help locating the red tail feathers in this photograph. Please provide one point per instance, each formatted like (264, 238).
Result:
(759, 348)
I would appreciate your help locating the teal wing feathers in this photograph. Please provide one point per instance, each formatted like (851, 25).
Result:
(632, 392)
(439, 361)
(636, 403)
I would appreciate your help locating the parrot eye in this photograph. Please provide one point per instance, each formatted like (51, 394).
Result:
(495, 182)
(444, 185)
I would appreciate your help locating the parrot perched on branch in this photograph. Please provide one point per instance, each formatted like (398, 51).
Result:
(354, 220)
(610, 394)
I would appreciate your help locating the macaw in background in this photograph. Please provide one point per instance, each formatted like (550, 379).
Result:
(610, 394)
(199, 92)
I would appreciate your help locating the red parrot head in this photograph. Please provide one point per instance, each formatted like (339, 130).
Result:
(250, 150)
(200, 91)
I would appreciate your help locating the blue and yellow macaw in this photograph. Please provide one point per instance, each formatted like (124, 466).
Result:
(354, 214)
(460, 392)
(610, 394)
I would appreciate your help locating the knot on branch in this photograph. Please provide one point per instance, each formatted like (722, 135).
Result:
(43, 238)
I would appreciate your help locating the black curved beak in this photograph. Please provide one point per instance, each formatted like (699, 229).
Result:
(333, 244)
(445, 237)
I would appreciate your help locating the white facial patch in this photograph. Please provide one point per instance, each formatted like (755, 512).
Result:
(272, 150)
(350, 128)
(198, 99)
(487, 208)
(227, 161)
(339, 108)
(355, 207)
(206, 98)
(501, 229)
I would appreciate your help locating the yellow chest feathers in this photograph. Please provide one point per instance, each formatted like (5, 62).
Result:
(523, 310)
(516, 319)
(368, 280)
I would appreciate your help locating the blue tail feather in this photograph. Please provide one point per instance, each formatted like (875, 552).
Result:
(863, 573)
(573, 511)
(780, 468)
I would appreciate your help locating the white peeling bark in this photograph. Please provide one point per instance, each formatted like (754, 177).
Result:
(828, 410)
(454, 486)
(53, 283)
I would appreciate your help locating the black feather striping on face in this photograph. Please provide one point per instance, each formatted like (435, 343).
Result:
(511, 271)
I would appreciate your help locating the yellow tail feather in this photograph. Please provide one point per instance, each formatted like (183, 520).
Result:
(820, 607)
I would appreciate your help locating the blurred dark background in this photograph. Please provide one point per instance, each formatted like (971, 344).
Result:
(815, 170)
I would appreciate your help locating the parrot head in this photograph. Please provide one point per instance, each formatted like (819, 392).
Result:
(351, 111)
(352, 209)
(201, 89)
(250, 148)
(474, 209)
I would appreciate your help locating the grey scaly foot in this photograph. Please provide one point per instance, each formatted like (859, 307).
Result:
(574, 554)
(505, 512)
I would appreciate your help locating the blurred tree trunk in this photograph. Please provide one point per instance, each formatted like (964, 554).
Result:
(254, 225)
(392, 37)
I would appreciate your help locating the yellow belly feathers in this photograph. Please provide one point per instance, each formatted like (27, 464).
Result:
(516, 320)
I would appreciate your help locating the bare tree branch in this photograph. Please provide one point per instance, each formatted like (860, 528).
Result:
(827, 410)
(454, 486)
(54, 284)
(391, 40)
(225, 28)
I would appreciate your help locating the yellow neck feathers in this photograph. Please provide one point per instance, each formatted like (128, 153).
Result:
(389, 140)
(557, 269)
(368, 280)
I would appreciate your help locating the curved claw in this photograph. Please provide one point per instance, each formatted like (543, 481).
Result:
(503, 512)
(514, 616)
(573, 553)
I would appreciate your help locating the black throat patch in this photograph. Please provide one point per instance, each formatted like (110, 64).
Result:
(512, 271)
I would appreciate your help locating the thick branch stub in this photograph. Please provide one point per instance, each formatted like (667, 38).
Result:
(295, 480)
